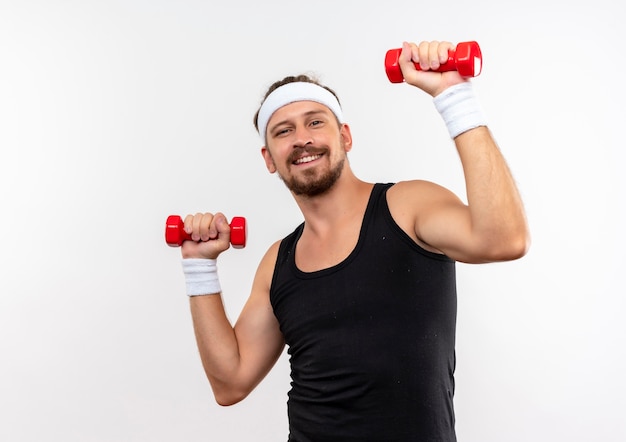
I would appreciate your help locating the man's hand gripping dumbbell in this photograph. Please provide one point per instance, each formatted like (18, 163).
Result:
(203, 237)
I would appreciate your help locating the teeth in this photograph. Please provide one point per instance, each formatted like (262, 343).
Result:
(307, 159)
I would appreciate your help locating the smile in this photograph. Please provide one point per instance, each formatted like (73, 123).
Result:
(307, 159)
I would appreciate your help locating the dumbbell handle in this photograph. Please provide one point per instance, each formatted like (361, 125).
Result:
(175, 233)
(467, 59)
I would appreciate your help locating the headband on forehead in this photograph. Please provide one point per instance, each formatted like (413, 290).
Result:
(292, 92)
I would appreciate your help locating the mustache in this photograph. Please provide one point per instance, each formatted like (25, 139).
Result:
(299, 152)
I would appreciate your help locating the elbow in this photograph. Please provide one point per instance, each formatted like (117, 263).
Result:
(509, 248)
(517, 249)
(520, 242)
(227, 401)
(226, 397)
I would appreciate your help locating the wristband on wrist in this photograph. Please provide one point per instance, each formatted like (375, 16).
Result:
(201, 276)
(460, 109)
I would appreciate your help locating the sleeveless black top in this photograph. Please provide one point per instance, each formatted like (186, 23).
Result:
(371, 340)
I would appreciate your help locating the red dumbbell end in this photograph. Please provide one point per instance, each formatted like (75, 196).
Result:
(238, 232)
(468, 59)
(175, 231)
(392, 67)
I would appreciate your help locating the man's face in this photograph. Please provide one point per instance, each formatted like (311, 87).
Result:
(306, 147)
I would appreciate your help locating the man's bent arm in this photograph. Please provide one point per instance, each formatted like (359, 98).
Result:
(492, 226)
(236, 359)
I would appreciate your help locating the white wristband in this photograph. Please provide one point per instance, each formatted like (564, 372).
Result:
(460, 109)
(201, 276)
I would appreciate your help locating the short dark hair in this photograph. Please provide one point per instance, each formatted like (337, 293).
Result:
(302, 78)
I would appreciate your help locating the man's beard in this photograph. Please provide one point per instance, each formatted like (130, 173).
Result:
(311, 186)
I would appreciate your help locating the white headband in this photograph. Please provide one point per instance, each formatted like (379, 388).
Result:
(292, 92)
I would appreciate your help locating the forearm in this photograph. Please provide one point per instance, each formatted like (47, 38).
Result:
(496, 210)
(215, 336)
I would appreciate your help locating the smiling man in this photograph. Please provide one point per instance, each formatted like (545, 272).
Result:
(363, 292)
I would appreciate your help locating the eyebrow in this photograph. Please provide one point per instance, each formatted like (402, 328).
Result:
(304, 114)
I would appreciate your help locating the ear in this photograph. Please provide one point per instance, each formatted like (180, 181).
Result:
(346, 137)
(269, 161)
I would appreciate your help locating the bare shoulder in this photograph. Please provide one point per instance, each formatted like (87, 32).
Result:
(272, 252)
(257, 316)
(416, 194)
(412, 203)
(265, 271)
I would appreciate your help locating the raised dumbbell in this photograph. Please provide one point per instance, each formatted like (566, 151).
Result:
(467, 59)
(175, 231)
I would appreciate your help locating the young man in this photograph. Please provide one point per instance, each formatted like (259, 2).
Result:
(363, 292)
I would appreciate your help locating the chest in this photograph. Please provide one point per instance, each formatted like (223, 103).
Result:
(318, 252)
(383, 287)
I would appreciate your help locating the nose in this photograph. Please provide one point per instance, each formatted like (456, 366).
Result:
(302, 136)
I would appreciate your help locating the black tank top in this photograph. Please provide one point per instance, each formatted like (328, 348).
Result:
(371, 340)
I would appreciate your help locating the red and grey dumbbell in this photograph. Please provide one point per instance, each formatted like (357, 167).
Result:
(175, 231)
(467, 59)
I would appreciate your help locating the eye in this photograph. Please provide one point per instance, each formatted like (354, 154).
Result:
(316, 122)
(281, 131)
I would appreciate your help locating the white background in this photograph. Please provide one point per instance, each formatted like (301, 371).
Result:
(115, 114)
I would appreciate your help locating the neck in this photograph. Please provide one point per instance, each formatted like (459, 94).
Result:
(347, 198)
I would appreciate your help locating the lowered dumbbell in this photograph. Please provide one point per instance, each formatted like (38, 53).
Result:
(175, 231)
(466, 59)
